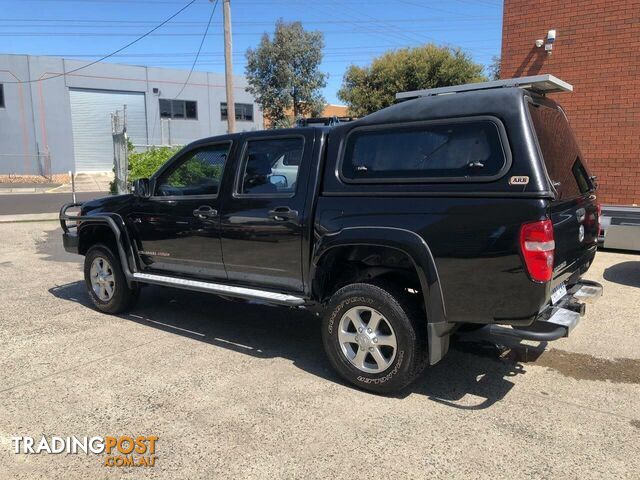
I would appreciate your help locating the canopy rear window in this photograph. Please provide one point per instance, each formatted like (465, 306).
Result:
(456, 150)
(560, 152)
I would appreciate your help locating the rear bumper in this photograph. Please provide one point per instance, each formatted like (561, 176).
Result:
(559, 320)
(70, 242)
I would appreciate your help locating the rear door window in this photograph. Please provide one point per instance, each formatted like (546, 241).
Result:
(560, 152)
(270, 166)
(409, 153)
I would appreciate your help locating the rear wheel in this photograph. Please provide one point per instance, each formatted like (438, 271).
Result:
(374, 336)
(105, 281)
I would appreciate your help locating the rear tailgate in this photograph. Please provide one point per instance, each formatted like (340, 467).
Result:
(574, 213)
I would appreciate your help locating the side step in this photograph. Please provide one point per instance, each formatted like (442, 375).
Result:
(220, 289)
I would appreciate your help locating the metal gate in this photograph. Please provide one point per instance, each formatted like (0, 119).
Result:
(92, 129)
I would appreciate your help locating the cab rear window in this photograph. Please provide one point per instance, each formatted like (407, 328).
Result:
(560, 152)
(460, 150)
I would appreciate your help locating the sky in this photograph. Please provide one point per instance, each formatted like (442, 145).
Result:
(355, 31)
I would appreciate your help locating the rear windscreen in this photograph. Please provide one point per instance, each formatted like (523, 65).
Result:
(560, 152)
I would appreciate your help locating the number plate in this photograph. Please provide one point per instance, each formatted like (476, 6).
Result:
(558, 292)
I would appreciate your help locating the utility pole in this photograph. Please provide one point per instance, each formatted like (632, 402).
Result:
(228, 67)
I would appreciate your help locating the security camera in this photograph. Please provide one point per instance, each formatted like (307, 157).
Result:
(539, 43)
(551, 36)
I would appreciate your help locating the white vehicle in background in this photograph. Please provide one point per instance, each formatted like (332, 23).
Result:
(620, 227)
(287, 166)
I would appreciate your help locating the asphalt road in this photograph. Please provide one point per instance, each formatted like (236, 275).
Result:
(237, 390)
(21, 203)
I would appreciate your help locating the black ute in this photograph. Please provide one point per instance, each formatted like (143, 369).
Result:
(436, 213)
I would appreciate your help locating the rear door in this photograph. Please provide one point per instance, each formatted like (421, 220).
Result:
(262, 221)
(575, 212)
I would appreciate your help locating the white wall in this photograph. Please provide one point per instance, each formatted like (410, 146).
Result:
(40, 116)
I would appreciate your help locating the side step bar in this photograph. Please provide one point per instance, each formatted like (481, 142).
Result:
(220, 289)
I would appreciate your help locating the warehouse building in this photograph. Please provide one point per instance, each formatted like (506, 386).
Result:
(62, 121)
(596, 48)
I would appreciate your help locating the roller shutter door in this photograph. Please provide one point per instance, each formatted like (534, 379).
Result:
(91, 120)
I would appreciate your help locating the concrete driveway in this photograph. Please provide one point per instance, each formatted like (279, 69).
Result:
(236, 390)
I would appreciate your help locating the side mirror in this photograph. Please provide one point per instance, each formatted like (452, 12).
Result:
(142, 188)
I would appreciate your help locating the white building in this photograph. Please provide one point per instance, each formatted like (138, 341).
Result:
(69, 115)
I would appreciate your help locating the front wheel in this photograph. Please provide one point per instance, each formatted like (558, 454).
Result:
(374, 336)
(105, 281)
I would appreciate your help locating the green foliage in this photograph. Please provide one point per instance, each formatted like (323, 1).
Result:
(368, 89)
(145, 164)
(193, 172)
(495, 68)
(283, 73)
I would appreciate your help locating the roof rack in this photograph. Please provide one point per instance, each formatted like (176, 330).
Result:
(327, 121)
(537, 83)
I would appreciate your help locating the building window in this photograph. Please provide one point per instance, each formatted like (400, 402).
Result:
(1, 96)
(244, 111)
(178, 109)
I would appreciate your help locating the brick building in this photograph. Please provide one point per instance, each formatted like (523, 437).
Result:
(597, 49)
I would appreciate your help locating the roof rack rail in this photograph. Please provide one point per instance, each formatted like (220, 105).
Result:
(537, 83)
(326, 121)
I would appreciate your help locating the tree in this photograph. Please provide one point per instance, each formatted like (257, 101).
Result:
(367, 89)
(284, 75)
(495, 68)
(144, 164)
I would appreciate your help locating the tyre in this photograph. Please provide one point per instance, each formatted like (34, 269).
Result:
(105, 281)
(375, 336)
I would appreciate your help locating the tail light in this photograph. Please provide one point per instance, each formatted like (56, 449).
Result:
(599, 217)
(538, 247)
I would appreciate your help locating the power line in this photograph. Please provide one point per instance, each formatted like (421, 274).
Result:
(356, 29)
(136, 23)
(327, 51)
(112, 53)
(195, 60)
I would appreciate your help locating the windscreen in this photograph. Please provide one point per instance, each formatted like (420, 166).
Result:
(560, 152)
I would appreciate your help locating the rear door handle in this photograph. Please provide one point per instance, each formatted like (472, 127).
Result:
(283, 213)
(205, 211)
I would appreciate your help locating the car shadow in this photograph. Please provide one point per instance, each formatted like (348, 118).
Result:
(474, 375)
(625, 273)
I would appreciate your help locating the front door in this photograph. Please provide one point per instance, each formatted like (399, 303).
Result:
(178, 228)
(262, 222)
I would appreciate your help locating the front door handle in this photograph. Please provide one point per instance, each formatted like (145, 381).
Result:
(205, 211)
(283, 213)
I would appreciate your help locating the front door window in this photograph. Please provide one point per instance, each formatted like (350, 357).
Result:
(198, 173)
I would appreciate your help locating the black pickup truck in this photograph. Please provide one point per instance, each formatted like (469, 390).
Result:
(444, 211)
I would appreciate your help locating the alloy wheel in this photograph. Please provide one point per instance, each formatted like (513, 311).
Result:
(103, 280)
(367, 339)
